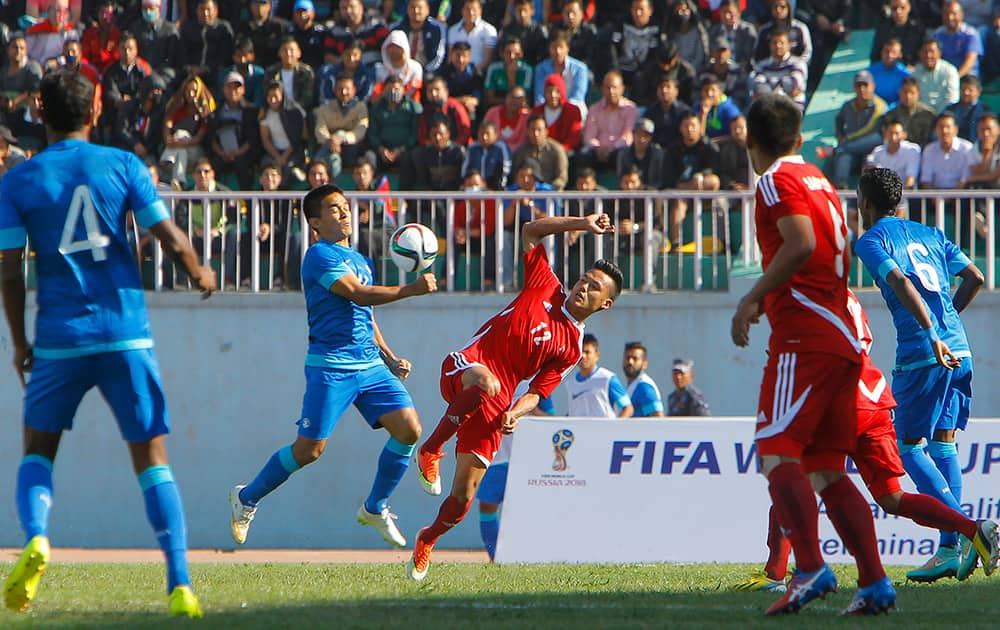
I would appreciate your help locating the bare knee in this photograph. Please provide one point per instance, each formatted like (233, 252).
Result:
(483, 379)
(890, 502)
(821, 479)
(404, 426)
(307, 451)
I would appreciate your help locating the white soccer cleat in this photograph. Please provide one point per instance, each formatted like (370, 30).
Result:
(241, 516)
(384, 523)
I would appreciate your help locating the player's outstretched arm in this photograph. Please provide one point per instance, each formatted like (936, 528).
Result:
(350, 288)
(178, 248)
(534, 231)
(399, 367)
(972, 281)
(12, 274)
(910, 298)
(798, 244)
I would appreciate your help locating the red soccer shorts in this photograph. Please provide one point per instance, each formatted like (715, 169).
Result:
(808, 405)
(480, 433)
(877, 456)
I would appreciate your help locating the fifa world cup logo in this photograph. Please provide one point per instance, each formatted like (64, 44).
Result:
(561, 441)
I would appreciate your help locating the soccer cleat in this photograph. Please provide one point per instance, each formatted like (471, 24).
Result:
(942, 564)
(803, 588)
(420, 561)
(982, 548)
(240, 517)
(759, 581)
(429, 465)
(873, 599)
(184, 603)
(385, 523)
(22, 585)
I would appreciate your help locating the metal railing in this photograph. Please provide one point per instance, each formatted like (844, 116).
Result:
(260, 245)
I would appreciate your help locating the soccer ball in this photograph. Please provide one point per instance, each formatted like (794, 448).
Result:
(413, 247)
(562, 439)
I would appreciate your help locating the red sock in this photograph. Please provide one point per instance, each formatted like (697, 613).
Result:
(778, 548)
(451, 514)
(927, 511)
(852, 518)
(460, 408)
(795, 507)
(444, 431)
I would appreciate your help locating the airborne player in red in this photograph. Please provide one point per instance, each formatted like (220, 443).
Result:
(539, 337)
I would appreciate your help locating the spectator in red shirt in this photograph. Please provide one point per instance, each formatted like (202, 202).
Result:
(511, 118)
(100, 42)
(563, 118)
(439, 106)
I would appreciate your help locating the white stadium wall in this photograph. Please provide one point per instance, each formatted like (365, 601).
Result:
(232, 369)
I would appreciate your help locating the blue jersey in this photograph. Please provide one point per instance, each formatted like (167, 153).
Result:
(925, 256)
(71, 201)
(645, 395)
(341, 333)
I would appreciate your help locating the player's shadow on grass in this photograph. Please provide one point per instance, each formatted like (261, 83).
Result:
(418, 606)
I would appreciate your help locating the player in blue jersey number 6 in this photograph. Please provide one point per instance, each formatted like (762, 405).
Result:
(91, 330)
(913, 265)
(348, 362)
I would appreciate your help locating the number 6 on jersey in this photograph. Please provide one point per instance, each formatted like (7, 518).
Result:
(95, 242)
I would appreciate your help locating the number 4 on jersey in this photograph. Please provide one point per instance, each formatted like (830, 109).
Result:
(96, 242)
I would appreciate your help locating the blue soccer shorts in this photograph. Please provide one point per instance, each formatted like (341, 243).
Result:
(494, 484)
(374, 391)
(932, 398)
(129, 381)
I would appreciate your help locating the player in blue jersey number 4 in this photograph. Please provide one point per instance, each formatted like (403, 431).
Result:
(348, 362)
(91, 330)
(932, 382)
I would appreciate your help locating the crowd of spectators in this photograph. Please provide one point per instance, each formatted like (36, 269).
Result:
(499, 94)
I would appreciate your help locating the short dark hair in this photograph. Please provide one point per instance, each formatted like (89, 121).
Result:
(532, 118)
(631, 169)
(127, 35)
(777, 32)
(343, 76)
(67, 99)
(559, 36)
(590, 340)
(637, 345)
(462, 45)
(774, 122)
(512, 39)
(709, 79)
(930, 41)
(892, 41)
(312, 204)
(971, 78)
(611, 269)
(354, 43)
(946, 114)
(587, 172)
(910, 80)
(883, 188)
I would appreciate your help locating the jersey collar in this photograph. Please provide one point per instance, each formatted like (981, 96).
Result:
(789, 159)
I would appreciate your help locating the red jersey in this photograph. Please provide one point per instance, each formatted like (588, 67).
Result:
(808, 313)
(873, 391)
(534, 337)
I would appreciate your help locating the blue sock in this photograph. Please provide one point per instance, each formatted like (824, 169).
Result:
(489, 529)
(929, 481)
(34, 495)
(945, 456)
(166, 514)
(275, 472)
(392, 465)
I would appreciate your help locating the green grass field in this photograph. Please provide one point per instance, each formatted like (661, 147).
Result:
(467, 595)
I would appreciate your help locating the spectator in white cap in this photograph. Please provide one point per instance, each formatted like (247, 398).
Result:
(686, 399)
(644, 154)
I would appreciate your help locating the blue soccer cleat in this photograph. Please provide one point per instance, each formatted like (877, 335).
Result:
(943, 564)
(803, 588)
(873, 599)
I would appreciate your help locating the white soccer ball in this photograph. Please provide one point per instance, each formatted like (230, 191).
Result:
(413, 247)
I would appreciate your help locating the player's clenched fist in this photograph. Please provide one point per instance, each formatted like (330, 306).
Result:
(599, 223)
(508, 422)
(206, 281)
(426, 283)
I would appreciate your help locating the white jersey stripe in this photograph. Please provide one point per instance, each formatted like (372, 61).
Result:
(830, 317)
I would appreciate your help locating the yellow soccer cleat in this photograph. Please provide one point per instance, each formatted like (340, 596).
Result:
(759, 581)
(184, 603)
(22, 585)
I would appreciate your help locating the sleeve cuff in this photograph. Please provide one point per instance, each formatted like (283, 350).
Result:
(330, 278)
(152, 214)
(958, 263)
(886, 267)
(13, 238)
(623, 402)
